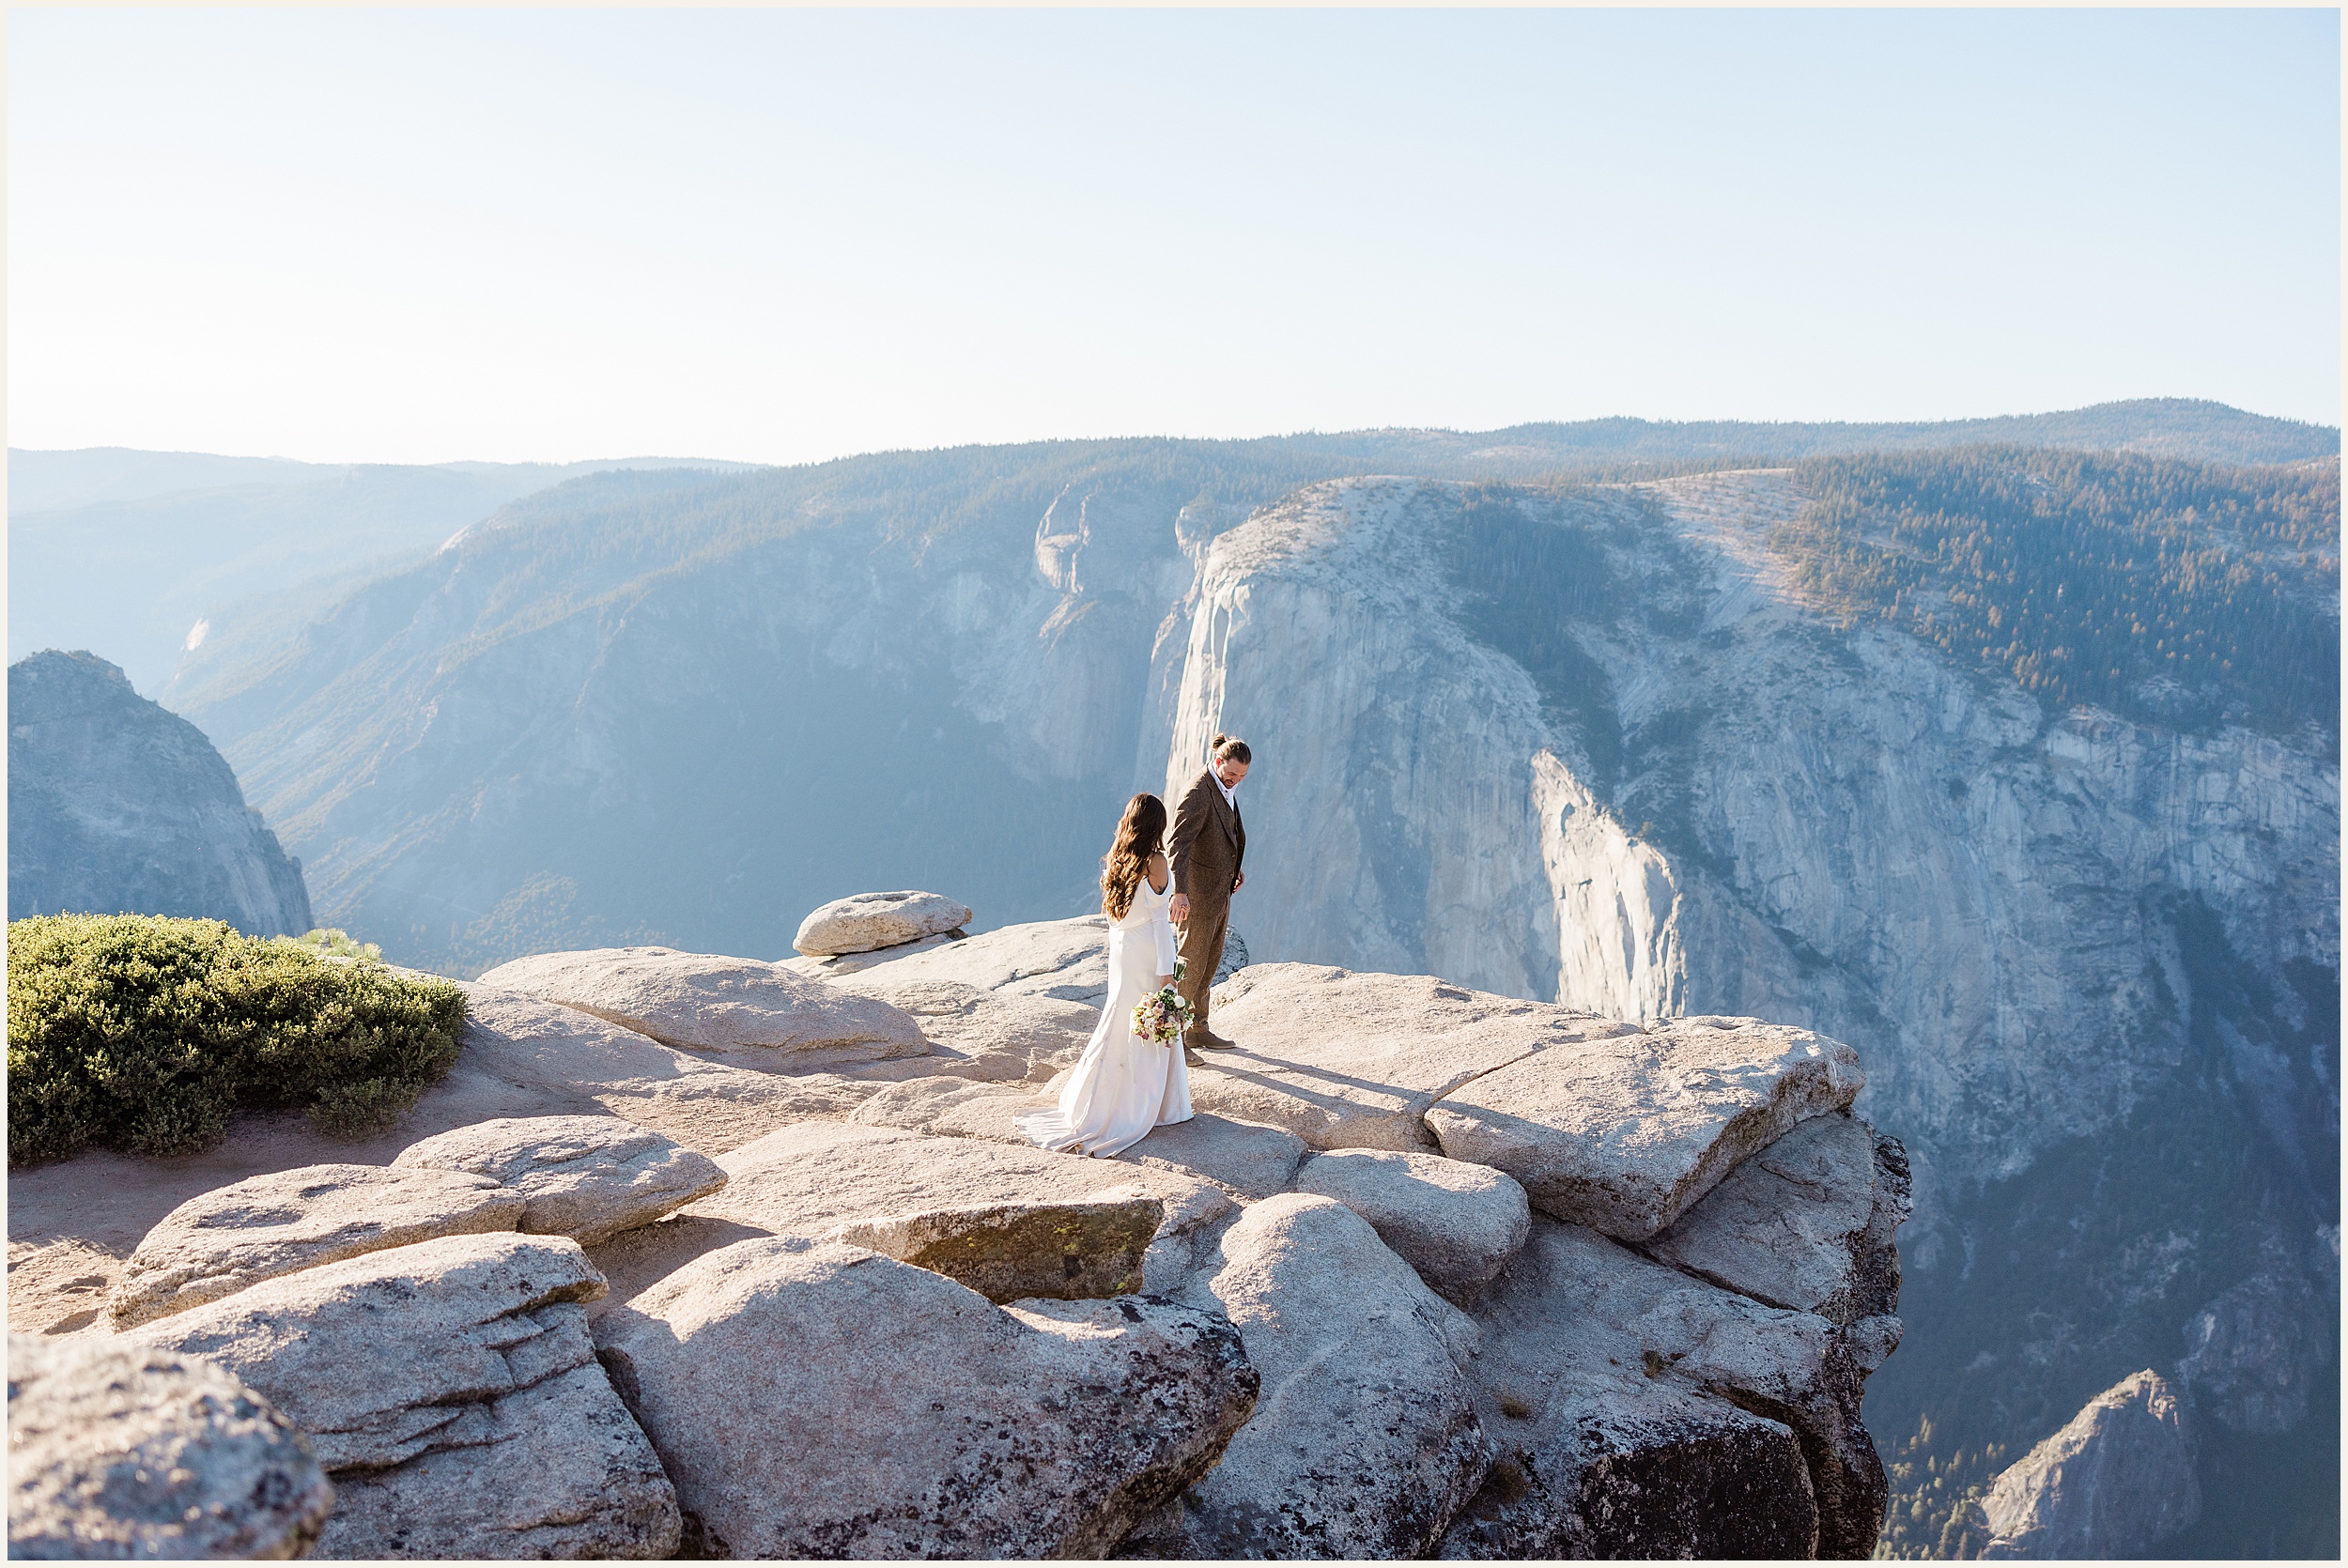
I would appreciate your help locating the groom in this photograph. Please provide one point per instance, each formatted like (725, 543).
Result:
(1205, 849)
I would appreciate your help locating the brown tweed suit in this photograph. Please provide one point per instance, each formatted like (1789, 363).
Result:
(1204, 850)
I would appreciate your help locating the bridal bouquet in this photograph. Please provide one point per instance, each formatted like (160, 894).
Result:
(1160, 1017)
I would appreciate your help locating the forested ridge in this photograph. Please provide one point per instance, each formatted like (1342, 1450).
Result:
(2165, 591)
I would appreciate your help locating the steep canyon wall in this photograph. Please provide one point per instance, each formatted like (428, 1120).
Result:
(2092, 963)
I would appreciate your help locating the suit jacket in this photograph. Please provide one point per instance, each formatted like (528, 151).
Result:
(1208, 842)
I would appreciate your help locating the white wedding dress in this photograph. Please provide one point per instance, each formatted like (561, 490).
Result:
(1123, 1084)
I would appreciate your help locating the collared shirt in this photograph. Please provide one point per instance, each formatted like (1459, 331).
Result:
(1229, 792)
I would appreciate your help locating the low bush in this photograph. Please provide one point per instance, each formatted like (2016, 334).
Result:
(335, 940)
(143, 1033)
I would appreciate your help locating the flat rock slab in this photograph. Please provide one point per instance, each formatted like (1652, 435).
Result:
(1066, 960)
(120, 1450)
(1248, 1159)
(809, 1179)
(865, 921)
(2115, 1481)
(1624, 1133)
(953, 1108)
(1003, 1035)
(557, 1468)
(376, 1357)
(235, 1236)
(818, 1400)
(1073, 1252)
(1617, 1386)
(1457, 1225)
(705, 1002)
(453, 1384)
(1366, 1441)
(1348, 1060)
(832, 966)
(60, 1287)
(587, 1177)
(568, 1062)
(806, 1178)
(1805, 1223)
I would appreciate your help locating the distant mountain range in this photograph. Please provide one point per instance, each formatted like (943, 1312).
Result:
(2163, 427)
(129, 551)
(145, 554)
(90, 476)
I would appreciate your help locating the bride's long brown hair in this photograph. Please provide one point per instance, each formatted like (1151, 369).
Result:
(1140, 833)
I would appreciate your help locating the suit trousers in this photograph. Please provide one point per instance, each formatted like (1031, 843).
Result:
(1201, 947)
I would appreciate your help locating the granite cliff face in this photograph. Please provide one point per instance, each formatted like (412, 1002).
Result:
(116, 806)
(2077, 950)
(1791, 820)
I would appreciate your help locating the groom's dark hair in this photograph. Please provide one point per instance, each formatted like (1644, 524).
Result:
(1226, 748)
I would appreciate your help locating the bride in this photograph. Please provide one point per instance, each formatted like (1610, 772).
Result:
(1124, 1085)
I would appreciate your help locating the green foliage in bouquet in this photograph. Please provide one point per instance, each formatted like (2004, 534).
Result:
(143, 1033)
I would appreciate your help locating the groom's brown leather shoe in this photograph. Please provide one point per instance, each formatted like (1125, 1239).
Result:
(1214, 1042)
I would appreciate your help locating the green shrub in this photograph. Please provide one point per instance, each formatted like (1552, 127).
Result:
(335, 940)
(144, 1034)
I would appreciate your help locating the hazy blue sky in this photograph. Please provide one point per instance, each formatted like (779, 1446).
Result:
(778, 236)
